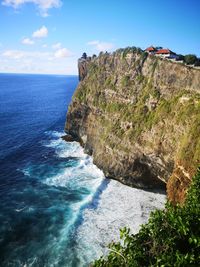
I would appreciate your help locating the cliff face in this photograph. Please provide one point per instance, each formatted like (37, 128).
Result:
(83, 67)
(139, 116)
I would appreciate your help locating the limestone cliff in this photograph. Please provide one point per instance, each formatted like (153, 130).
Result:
(139, 116)
(82, 68)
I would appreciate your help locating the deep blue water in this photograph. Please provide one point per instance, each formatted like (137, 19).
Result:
(56, 207)
(45, 182)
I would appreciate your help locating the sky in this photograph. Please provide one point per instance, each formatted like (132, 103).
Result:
(48, 36)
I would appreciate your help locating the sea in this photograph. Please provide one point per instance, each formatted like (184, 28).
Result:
(56, 207)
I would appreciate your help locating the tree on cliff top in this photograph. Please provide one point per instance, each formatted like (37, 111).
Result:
(84, 55)
(190, 59)
(170, 238)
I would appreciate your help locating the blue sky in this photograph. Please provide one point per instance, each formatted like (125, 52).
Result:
(47, 36)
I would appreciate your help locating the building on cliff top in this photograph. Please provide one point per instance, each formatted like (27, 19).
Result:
(166, 53)
(162, 52)
(151, 50)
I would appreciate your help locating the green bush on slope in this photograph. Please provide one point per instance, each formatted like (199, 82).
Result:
(170, 238)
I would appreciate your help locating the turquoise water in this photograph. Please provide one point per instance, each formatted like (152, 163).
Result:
(56, 207)
(44, 181)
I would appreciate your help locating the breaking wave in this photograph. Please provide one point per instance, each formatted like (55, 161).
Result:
(93, 208)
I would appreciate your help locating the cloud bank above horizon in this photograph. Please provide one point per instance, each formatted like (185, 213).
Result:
(39, 58)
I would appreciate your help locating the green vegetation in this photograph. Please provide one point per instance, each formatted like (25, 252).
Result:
(140, 78)
(170, 238)
(155, 63)
(105, 87)
(190, 146)
(110, 83)
(114, 107)
(84, 55)
(93, 67)
(125, 95)
(197, 62)
(142, 116)
(125, 81)
(173, 111)
(81, 94)
(144, 55)
(190, 59)
(128, 50)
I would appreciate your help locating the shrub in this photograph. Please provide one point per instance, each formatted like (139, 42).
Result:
(155, 63)
(170, 238)
(84, 55)
(190, 59)
(144, 55)
(197, 63)
(180, 57)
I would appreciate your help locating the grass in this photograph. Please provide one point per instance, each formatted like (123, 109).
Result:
(125, 81)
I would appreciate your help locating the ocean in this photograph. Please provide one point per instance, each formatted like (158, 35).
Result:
(56, 209)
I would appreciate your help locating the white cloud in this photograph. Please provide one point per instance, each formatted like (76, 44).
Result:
(62, 53)
(42, 5)
(14, 54)
(101, 46)
(52, 62)
(27, 41)
(56, 46)
(44, 45)
(41, 33)
(19, 54)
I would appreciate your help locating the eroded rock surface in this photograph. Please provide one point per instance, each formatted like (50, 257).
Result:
(139, 116)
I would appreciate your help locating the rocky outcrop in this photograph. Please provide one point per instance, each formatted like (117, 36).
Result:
(83, 63)
(139, 116)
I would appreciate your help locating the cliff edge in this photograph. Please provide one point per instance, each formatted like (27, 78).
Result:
(139, 116)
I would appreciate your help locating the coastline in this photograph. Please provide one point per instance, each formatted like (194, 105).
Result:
(69, 138)
(131, 112)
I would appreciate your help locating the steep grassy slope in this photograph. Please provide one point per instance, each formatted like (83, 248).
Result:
(140, 118)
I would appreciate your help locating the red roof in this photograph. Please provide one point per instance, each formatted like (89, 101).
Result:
(164, 51)
(150, 49)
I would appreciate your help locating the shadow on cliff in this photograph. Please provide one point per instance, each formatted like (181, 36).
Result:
(159, 190)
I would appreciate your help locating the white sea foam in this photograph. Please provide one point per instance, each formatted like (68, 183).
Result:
(66, 149)
(82, 175)
(119, 206)
(54, 134)
(25, 171)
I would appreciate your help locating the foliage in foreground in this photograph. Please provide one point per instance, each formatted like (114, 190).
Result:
(170, 238)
